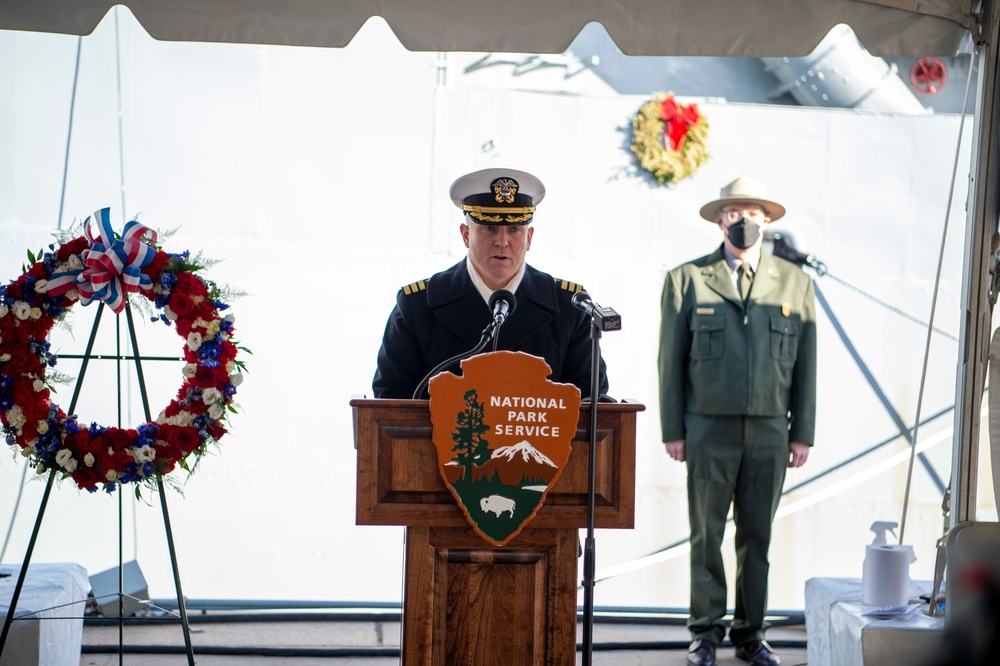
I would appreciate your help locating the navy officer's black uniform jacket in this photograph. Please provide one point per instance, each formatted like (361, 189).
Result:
(441, 317)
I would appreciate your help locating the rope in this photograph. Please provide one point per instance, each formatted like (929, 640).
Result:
(937, 284)
(889, 306)
(682, 546)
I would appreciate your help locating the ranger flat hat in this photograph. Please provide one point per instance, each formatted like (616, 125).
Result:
(746, 191)
(498, 196)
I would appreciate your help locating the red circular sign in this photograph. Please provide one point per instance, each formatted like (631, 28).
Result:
(928, 75)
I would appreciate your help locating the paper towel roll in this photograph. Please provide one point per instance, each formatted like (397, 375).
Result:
(886, 578)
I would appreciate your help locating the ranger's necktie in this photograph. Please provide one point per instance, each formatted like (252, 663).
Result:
(746, 279)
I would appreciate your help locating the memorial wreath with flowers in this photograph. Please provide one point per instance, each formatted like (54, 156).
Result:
(100, 266)
(669, 138)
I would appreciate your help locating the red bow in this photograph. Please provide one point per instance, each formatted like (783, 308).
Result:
(677, 119)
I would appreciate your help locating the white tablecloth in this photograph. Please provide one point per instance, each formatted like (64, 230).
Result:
(53, 598)
(839, 634)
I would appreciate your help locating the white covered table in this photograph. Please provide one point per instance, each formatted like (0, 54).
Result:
(839, 634)
(52, 602)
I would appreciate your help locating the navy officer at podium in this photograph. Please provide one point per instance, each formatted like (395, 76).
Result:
(444, 315)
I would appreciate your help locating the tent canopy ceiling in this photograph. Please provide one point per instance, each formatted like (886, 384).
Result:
(639, 27)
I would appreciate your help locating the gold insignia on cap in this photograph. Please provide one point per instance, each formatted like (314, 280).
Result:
(504, 190)
(786, 309)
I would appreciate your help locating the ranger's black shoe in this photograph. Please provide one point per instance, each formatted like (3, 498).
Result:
(701, 653)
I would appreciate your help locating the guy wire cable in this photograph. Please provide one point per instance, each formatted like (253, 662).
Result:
(681, 546)
(888, 306)
(69, 131)
(934, 297)
(784, 247)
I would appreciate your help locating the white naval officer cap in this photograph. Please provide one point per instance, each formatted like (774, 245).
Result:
(498, 196)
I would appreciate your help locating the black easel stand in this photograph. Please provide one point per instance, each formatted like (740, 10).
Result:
(159, 481)
(589, 561)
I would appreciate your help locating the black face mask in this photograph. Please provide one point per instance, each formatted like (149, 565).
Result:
(743, 233)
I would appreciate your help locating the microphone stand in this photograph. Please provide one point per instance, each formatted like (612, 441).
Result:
(589, 561)
(502, 303)
(497, 323)
(489, 333)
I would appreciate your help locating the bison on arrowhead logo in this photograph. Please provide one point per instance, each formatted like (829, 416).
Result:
(503, 434)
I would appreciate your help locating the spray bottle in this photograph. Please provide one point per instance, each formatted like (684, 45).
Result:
(886, 576)
(880, 527)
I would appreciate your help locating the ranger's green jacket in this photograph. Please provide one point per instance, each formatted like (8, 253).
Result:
(718, 357)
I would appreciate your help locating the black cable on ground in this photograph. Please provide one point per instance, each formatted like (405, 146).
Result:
(633, 646)
(205, 618)
(611, 615)
(227, 651)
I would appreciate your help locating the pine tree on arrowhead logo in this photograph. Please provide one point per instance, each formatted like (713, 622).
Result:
(471, 448)
(501, 486)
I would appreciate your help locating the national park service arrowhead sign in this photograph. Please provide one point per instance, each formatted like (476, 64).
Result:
(503, 434)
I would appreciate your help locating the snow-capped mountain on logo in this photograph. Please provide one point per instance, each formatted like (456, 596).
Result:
(525, 450)
(517, 462)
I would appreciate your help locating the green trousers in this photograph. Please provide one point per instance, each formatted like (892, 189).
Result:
(738, 461)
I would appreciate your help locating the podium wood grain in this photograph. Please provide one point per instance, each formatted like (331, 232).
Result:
(465, 601)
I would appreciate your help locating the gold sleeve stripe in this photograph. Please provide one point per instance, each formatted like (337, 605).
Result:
(571, 287)
(415, 287)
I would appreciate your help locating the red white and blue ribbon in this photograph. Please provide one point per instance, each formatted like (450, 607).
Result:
(112, 267)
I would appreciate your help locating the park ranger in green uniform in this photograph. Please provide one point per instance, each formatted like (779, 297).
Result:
(737, 367)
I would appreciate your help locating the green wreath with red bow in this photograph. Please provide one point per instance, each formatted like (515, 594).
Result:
(669, 139)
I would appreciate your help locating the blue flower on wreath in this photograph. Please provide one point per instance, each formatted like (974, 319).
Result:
(209, 351)
(147, 435)
(167, 282)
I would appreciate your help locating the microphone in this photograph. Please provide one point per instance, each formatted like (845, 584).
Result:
(606, 319)
(502, 304)
(784, 248)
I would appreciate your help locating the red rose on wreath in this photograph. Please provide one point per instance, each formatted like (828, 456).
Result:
(184, 438)
(181, 305)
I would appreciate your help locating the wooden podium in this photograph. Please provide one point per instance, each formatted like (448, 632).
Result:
(466, 601)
